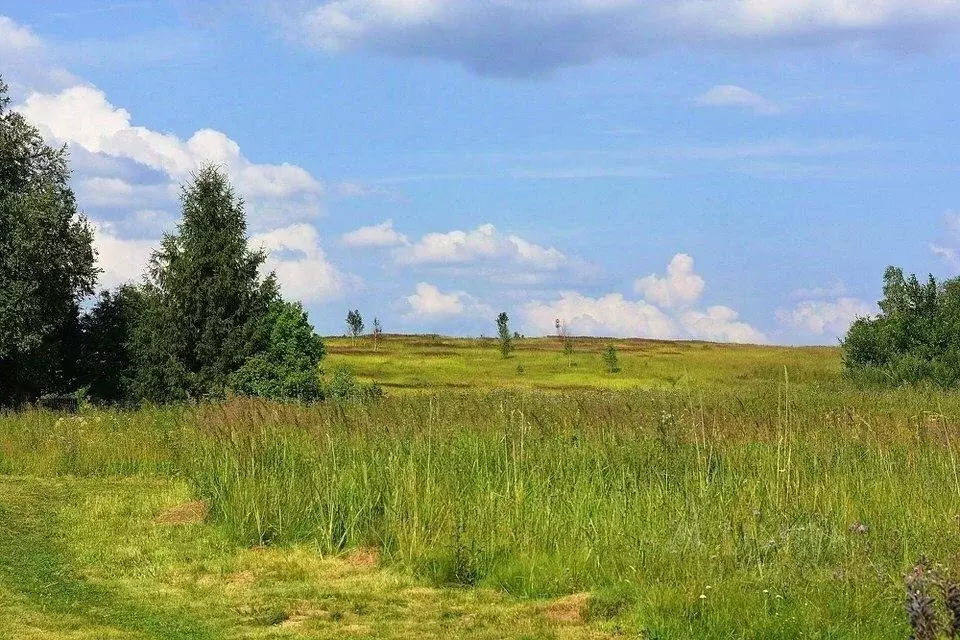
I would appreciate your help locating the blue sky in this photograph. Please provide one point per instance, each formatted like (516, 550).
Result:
(736, 170)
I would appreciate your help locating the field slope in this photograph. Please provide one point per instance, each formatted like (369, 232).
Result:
(703, 491)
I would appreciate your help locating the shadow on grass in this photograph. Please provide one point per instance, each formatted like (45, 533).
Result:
(35, 564)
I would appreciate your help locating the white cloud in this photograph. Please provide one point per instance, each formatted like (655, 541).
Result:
(121, 260)
(82, 116)
(609, 315)
(720, 324)
(484, 243)
(429, 301)
(663, 313)
(681, 287)
(378, 235)
(15, 38)
(118, 193)
(530, 37)
(948, 252)
(730, 95)
(302, 268)
(824, 317)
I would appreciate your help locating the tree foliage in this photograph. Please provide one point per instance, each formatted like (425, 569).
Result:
(47, 263)
(355, 322)
(288, 367)
(503, 331)
(610, 359)
(915, 338)
(106, 363)
(202, 321)
(204, 301)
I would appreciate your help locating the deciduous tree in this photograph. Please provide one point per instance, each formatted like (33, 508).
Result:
(47, 263)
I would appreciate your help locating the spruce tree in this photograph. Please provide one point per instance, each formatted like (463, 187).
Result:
(204, 301)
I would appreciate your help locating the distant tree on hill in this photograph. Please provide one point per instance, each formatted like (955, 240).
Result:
(610, 359)
(503, 331)
(47, 264)
(204, 300)
(355, 323)
(915, 337)
(566, 344)
(377, 333)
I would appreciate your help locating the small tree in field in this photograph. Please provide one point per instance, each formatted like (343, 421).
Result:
(566, 344)
(377, 333)
(610, 359)
(355, 323)
(503, 330)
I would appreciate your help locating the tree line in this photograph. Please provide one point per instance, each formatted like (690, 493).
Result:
(203, 322)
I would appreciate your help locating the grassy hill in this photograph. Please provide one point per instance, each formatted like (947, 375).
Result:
(431, 362)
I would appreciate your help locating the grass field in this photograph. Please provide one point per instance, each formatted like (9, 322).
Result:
(432, 363)
(704, 491)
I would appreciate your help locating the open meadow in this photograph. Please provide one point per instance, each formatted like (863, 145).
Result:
(703, 491)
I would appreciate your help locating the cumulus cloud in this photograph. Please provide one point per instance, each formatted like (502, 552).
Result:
(531, 37)
(15, 38)
(117, 193)
(484, 243)
(664, 312)
(720, 324)
(947, 251)
(730, 95)
(122, 260)
(82, 115)
(608, 315)
(430, 301)
(824, 317)
(681, 286)
(302, 268)
(378, 235)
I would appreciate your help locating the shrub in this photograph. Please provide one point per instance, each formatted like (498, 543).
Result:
(915, 339)
(610, 359)
(288, 368)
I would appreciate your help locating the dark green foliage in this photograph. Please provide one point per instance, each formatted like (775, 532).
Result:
(610, 359)
(503, 330)
(204, 301)
(355, 322)
(288, 369)
(47, 263)
(106, 362)
(914, 339)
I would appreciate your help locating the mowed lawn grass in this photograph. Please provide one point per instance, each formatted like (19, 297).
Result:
(403, 362)
(134, 558)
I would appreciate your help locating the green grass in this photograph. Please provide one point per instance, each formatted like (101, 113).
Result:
(717, 493)
(431, 363)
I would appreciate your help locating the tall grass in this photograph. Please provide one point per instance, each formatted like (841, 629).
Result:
(681, 511)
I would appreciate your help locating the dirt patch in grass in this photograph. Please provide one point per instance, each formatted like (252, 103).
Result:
(192, 512)
(363, 558)
(570, 609)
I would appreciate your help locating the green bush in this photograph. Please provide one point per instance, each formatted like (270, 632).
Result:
(915, 339)
(288, 368)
